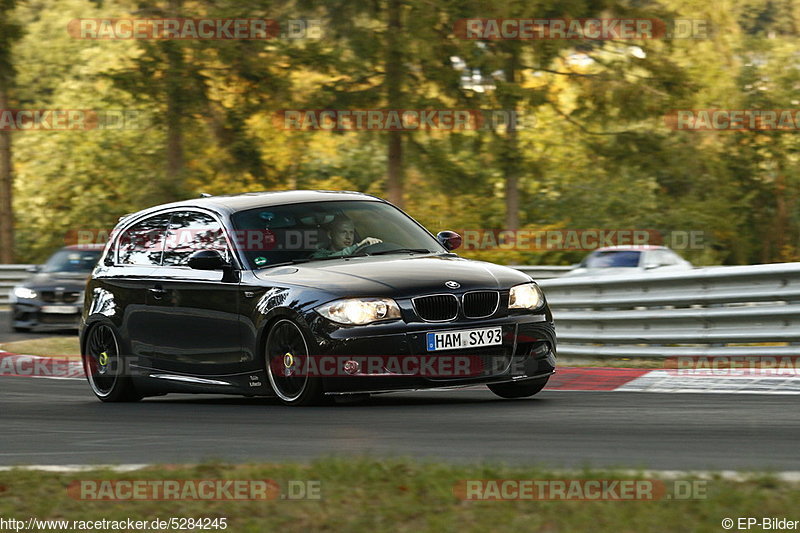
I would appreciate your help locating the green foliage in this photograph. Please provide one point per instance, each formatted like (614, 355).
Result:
(592, 149)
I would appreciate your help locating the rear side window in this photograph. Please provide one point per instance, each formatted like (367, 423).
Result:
(143, 243)
(190, 231)
(613, 259)
(666, 258)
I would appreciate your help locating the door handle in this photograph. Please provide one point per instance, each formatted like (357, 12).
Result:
(158, 292)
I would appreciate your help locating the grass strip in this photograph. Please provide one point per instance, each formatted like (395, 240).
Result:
(365, 494)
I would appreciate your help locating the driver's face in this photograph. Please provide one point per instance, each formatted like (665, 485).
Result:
(342, 236)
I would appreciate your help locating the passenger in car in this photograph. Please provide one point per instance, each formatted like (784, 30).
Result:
(341, 234)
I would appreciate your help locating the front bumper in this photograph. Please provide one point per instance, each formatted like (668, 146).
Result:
(528, 351)
(41, 316)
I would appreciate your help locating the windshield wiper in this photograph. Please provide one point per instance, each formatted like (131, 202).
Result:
(303, 260)
(331, 257)
(403, 250)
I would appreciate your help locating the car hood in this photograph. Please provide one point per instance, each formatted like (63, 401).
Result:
(396, 276)
(48, 280)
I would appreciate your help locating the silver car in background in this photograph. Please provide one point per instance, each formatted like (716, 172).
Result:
(626, 260)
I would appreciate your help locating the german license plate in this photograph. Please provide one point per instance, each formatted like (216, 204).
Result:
(468, 338)
(59, 309)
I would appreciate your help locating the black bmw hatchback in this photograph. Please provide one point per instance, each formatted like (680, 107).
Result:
(304, 295)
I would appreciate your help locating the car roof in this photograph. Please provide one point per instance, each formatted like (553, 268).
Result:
(251, 200)
(90, 246)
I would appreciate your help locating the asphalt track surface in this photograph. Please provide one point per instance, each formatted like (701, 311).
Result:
(49, 421)
(60, 422)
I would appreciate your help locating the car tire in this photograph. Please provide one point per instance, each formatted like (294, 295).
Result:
(105, 366)
(285, 351)
(519, 389)
(20, 329)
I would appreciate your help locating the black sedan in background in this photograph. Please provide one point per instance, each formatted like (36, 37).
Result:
(52, 298)
(304, 295)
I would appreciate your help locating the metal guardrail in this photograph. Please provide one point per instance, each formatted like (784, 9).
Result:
(10, 275)
(538, 272)
(716, 311)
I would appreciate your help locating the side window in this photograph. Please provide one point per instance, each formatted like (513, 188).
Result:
(653, 259)
(143, 243)
(190, 231)
(662, 258)
(671, 258)
(111, 253)
(657, 258)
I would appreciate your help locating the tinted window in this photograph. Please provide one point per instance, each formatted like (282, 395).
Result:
(72, 261)
(143, 243)
(613, 259)
(325, 230)
(190, 231)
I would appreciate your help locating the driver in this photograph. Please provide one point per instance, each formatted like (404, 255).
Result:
(341, 232)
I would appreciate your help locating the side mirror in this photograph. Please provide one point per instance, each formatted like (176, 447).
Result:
(34, 268)
(650, 266)
(449, 239)
(206, 260)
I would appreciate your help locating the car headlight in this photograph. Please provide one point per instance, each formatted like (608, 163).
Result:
(24, 293)
(359, 311)
(525, 296)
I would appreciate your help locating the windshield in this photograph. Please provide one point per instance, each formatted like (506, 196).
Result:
(320, 231)
(613, 259)
(72, 261)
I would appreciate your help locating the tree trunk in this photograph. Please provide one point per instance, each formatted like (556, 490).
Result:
(512, 177)
(511, 155)
(394, 98)
(394, 185)
(781, 224)
(175, 157)
(174, 114)
(6, 184)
